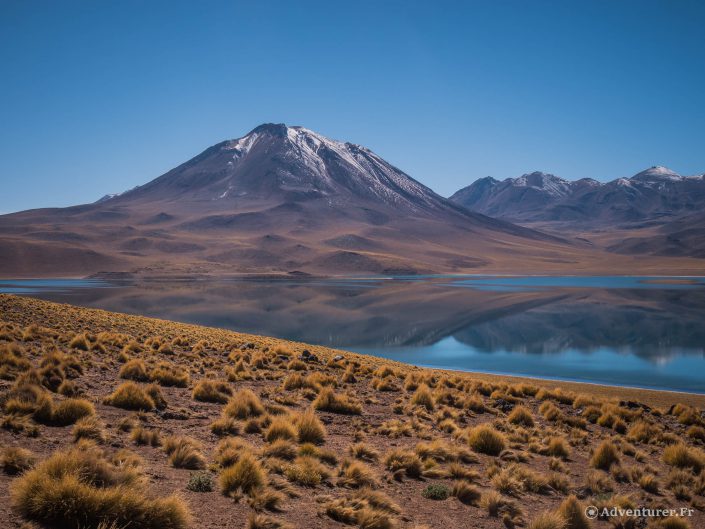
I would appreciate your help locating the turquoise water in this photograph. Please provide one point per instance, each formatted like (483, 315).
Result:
(605, 282)
(680, 372)
(630, 331)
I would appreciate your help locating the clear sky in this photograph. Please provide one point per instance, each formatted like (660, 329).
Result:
(100, 96)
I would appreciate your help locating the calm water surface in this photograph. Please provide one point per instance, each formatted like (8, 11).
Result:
(633, 331)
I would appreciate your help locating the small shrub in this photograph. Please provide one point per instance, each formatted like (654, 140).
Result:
(436, 491)
(200, 482)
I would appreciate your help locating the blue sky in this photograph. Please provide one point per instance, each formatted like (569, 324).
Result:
(97, 97)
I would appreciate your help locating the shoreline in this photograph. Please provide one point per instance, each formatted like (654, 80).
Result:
(21, 309)
(558, 380)
(662, 278)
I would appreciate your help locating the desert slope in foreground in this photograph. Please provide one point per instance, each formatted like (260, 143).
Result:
(139, 418)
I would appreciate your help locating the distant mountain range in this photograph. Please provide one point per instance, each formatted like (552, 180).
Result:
(660, 211)
(279, 199)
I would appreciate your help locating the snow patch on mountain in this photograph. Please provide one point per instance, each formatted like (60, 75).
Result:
(657, 173)
(316, 163)
(551, 184)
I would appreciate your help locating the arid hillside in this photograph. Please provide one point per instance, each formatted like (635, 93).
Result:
(116, 421)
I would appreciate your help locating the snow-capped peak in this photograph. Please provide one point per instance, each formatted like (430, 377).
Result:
(301, 162)
(554, 185)
(657, 173)
(107, 197)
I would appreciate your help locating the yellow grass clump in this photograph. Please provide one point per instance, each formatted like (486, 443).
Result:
(547, 520)
(605, 456)
(573, 514)
(328, 400)
(521, 415)
(243, 405)
(486, 440)
(134, 369)
(245, 476)
(682, 456)
(184, 452)
(131, 396)
(423, 397)
(15, 460)
(309, 428)
(217, 391)
(82, 482)
(280, 428)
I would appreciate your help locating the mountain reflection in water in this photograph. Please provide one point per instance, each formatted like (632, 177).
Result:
(649, 333)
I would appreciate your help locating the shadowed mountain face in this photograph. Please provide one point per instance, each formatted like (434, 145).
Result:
(279, 199)
(656, 193)
(660, 209)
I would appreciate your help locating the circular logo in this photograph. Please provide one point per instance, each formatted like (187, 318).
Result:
(591, 512)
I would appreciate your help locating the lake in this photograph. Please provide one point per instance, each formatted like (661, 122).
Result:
(634, 331)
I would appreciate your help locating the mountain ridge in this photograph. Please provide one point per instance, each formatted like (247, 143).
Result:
(516, 199)
(276, 200)
(656, 211)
